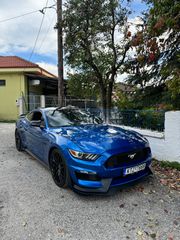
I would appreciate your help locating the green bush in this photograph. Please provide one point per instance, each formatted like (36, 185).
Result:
(146, 119)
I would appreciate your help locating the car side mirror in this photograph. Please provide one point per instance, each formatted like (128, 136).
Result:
(35, 123)
(42, 125)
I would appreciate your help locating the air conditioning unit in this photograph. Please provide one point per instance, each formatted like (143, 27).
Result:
(35, 82)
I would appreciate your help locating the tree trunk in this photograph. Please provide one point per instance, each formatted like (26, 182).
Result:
(103, 102)
(106, 100)
(109, 100)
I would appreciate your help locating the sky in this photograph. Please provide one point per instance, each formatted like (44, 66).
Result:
(18, 35)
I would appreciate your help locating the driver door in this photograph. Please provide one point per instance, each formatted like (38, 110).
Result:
(38, 138)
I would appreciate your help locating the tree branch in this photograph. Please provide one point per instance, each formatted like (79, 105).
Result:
(124, 56)
(113, 67)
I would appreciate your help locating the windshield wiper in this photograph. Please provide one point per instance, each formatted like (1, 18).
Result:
(57, 109)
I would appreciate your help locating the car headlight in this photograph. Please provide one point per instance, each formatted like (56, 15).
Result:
(83, 156)
(143, 137)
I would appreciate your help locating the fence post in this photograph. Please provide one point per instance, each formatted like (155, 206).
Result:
(42, 101)
(172, 134)
(85, 104)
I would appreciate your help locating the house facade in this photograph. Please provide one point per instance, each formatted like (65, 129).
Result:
(22, 79)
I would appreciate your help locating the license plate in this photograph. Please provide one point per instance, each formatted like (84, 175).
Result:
(135, 169)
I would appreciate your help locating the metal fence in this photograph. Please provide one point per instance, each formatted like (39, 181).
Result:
(34, 101)
(30, 102)
(52, 101)
(145, 119)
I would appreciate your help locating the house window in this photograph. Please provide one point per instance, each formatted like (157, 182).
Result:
(2, 83)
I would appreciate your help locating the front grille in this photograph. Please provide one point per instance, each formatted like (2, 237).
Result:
(128, 158)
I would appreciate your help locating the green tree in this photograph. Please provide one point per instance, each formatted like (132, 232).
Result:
(123, 101)
(91, 42)
(157, 44)
(82, 85)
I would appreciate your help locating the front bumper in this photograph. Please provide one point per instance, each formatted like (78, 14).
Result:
(107, 184)
(88, 177)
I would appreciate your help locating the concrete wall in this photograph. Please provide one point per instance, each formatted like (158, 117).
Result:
(165, 146)
(15, 85)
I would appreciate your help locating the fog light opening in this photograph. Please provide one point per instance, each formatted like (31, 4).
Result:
(87, 176)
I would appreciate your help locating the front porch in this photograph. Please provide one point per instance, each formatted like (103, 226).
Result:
(42, 91)
(39, 86)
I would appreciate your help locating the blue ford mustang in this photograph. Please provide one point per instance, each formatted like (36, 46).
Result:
(81, 151)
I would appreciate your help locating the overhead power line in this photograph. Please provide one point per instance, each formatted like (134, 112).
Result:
(40, 27)
(47, 32)
(43, 11)
(19, 16)
(28, 13)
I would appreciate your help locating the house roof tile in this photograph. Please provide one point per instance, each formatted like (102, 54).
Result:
(15, 62)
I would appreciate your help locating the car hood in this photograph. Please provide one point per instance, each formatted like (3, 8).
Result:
(100, 138)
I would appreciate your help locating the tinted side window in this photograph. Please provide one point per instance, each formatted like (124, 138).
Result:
(29, 116)
(36, 116)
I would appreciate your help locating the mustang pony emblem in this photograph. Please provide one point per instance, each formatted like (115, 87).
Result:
(132, 156)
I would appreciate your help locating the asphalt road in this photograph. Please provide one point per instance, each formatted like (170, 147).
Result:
(33, 207)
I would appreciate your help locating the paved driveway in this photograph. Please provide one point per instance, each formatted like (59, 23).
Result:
(33, 207)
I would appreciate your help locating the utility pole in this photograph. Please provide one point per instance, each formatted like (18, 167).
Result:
(60, 54)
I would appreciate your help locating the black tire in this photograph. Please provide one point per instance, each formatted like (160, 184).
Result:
(58, 169)
(18, 141)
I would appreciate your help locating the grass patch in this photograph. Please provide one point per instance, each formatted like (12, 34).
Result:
(164, 164)
(7, 121)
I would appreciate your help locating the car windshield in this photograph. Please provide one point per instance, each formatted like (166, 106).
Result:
(69, 117)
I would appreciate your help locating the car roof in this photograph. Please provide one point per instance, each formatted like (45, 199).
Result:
(47, 109)
(42, 109)
(53, 108)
